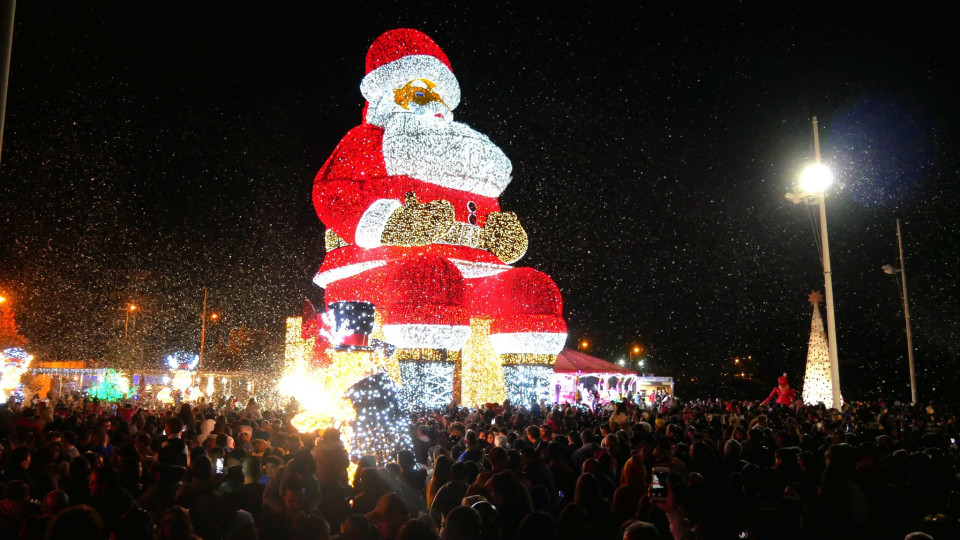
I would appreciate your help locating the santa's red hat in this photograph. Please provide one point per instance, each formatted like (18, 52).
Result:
(400, 56)
(782, 380)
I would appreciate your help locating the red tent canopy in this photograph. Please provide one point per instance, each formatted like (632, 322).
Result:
(571, 361)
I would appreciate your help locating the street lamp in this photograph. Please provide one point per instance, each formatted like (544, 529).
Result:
(813, 184)
(203, 329)
(126, 320)
(890, 269)
(214, 316)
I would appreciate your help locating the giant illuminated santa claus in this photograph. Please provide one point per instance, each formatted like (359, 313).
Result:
(409, 200)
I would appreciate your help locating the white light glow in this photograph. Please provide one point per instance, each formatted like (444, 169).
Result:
(426, 336)
(373, 221)
(817, 382)
(182, 380)
(427, 385)
(527, 383)
(381, 82)
(447, 154)
(183, 360)
(529, 342)
(816, 178)
(322, 279)
(477, 269)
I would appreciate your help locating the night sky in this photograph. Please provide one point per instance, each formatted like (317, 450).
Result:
(156, 148)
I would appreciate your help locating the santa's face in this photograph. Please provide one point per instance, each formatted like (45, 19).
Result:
(417, 97)
(420, 97)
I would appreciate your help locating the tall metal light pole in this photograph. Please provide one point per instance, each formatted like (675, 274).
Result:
(126, 322)
(203, 329)
(906, 314)
(813, 182)
(9, 11)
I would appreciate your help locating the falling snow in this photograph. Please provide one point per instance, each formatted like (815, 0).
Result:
(152, 150)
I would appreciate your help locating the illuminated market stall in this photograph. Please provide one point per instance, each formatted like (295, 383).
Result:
(576, 372)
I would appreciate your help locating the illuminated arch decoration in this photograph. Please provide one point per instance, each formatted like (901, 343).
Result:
(183, 361)
(414, 226)
(183, 378)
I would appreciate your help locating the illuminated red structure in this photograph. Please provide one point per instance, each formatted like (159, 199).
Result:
(414, 226)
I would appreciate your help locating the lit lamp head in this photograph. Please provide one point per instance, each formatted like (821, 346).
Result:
(816, 178)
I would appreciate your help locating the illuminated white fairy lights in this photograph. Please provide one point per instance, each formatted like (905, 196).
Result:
(381, 425)
(527, 383)
(817, 383)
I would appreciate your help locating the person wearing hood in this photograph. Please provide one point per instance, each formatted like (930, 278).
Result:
(782, 394)
(206, 430)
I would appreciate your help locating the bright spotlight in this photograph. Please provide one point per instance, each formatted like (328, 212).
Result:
(816, 178)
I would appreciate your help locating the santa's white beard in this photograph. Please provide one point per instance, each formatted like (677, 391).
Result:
(448, 154)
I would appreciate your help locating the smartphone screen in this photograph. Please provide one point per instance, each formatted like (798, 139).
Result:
(219, 465)
(660, 484)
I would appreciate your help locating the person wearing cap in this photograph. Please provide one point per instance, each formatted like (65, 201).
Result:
(389, 515)
(782, 394)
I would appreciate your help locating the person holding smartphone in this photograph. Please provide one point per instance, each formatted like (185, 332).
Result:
(662, 493)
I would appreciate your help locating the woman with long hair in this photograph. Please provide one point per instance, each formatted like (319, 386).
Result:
(441, 475)
(589, 497)
(175, 525)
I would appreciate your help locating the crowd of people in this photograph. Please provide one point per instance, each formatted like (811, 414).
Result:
(80, 468)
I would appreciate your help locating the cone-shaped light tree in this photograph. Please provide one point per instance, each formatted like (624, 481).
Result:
(817, 386)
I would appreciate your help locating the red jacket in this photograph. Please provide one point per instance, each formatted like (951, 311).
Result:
(782, 397)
